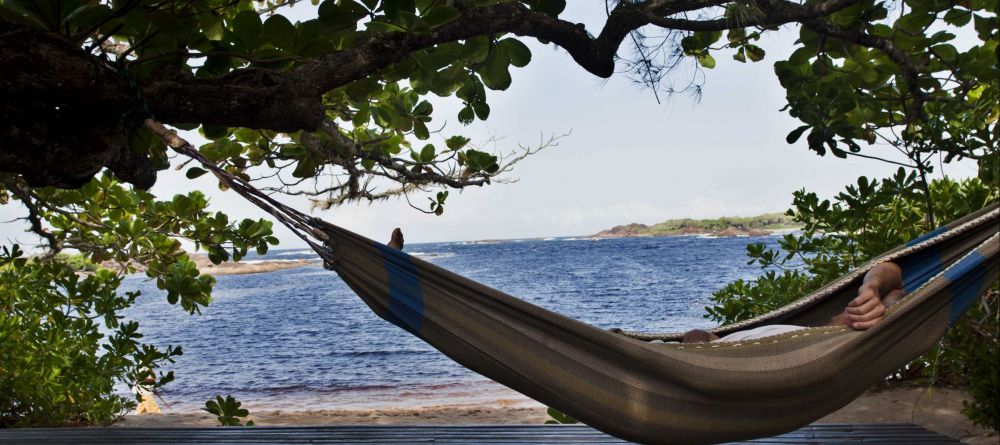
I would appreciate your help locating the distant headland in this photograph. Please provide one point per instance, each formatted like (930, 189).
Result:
(759, 225)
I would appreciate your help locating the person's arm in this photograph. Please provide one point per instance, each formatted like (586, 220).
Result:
(868, 308)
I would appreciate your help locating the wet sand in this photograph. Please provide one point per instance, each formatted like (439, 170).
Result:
(938, 409)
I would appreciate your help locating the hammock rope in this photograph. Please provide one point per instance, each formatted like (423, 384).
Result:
(302, 225)
(661, 392)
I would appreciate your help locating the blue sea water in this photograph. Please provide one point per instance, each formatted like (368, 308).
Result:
(299, 339)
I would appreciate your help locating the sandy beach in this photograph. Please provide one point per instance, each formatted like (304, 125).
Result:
(938, 409)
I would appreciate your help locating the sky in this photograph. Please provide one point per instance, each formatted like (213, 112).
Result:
(627, 158)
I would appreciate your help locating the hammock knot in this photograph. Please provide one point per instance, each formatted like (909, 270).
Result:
(326, 253)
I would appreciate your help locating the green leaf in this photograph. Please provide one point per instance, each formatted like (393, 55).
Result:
(495, 75)
(740, 55)
(247, 26)
(482, 110)
(466, 115)
(195, 172)
(456, 142)
(384, 27)
(439, 15)
(280, 32)
(915, 22)
(796, 134)
(517, 52)
(427, 153)
(420, 130)
(341, 14)
(551, 7)
(706, 60)
(736, 35)
(424, 108)
(958, 17)
(755, 53)
(946, 52)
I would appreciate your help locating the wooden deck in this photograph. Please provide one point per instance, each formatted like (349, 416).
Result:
(473, 434)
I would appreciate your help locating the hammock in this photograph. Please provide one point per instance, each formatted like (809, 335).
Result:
(624, 385)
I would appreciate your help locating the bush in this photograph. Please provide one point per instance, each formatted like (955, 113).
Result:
(865, 220)
(57, 367)
(227, 411)
(78, 262)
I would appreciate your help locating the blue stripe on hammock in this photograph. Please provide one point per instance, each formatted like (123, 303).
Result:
(919, 268)
(927, 236)
(406, 298)
(966, 278)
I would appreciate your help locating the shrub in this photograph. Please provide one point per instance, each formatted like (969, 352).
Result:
(57, 367)
(227, 411)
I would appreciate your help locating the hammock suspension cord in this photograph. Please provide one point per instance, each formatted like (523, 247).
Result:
(304, 226)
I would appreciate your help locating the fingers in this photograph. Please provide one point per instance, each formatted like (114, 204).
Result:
(864, 325)
(864, 294)
(876, 312)
(865, 303)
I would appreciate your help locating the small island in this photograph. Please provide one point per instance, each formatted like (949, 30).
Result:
(83, 265)
(759, 225)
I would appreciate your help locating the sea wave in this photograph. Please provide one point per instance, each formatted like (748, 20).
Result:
(432, 255)
(297, 252)
(272, 261)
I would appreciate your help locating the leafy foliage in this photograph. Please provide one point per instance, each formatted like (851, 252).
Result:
(78, 262)
(376, 126)
(868, 218)
(858, 75)
(970, 357)
(63, 345)
(228, 411)
(58, 370)
(849, 95)
(559, 417)
(107, 221)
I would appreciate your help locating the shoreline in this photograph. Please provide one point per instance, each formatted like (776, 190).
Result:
(247, 267)
(936, 409)
(727, 233)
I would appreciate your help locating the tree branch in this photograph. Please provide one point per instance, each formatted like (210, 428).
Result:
(292, 101)
(23, 193)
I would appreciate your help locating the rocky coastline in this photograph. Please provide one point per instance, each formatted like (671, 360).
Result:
(761, 225)
(205, 266)
(247, 267)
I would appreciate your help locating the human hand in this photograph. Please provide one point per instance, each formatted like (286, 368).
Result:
(866, 310)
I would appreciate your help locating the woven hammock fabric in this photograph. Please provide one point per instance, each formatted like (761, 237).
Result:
(670, 392)
(655, 392)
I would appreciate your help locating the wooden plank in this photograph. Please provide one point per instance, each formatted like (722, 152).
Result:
(422, 434)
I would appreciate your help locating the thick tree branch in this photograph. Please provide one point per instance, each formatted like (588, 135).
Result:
(292, 101)
(89, 104)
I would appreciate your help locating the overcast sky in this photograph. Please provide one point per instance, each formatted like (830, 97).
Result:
(628, 158)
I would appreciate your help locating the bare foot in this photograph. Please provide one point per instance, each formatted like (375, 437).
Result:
(396, 242)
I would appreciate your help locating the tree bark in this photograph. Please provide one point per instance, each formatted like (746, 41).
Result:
(66, 114)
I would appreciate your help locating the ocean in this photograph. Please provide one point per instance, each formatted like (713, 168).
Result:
(299, 339)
